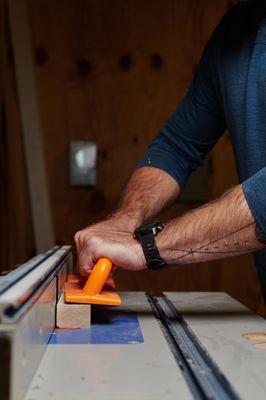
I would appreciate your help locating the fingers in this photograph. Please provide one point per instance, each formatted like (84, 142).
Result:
(95, 242)
(87, 254)
(85, 261)
(84, 271)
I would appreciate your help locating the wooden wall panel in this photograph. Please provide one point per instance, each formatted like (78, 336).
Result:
(16, 235)
(113, 71)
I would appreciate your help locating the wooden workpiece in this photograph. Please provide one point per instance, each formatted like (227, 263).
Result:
(254, 335)
(71, 315)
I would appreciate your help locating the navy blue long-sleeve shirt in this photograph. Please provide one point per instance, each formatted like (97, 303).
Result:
(228, 92)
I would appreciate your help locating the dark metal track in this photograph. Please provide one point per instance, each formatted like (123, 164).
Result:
(203, 376)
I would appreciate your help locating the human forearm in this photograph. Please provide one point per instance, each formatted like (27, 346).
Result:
(222, 228)
(148, 192)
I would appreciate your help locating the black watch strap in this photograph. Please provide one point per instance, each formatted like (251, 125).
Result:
(151, 252)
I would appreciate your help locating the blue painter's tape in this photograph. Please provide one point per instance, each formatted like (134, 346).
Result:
(108, 327)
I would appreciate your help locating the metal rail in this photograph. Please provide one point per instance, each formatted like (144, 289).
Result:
(203, 376)
(22, 270)
(16, 290)
(31, 290)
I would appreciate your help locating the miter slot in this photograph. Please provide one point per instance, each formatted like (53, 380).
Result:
(204, 378)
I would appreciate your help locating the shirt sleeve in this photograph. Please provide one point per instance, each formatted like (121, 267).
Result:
(254, 189)
(194, 128)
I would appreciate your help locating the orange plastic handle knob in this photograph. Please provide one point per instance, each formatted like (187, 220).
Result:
(98, 277)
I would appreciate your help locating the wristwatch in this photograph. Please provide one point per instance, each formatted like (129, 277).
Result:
(146, 234)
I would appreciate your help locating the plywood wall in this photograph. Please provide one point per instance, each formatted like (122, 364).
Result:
(16, 234)
(112, 71)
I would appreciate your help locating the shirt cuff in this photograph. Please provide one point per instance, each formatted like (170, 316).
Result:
(167, 164)
(254, 190)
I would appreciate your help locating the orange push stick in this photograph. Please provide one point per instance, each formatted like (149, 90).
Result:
(99, 288)
(98, 277)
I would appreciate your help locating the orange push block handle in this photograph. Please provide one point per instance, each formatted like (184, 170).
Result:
(98, 277)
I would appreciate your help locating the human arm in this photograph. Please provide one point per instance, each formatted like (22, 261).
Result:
(148, 191)
(222, 228)
(177, 150)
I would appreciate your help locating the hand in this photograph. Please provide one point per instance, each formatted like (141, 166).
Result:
(110, 239)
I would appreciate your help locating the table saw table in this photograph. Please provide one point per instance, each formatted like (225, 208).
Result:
(174, 346)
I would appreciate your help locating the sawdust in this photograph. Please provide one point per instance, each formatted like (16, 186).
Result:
(254, 336)
(260, 344)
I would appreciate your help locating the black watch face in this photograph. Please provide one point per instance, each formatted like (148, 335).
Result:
(150, 227)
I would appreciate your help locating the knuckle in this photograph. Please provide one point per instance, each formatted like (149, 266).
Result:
(77, 236)
(91, 240)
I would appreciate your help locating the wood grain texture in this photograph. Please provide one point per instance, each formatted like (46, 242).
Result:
(113, 72)
(16, 235)
(260, 345)
(72, 316)
(254, 336)
(31, 126)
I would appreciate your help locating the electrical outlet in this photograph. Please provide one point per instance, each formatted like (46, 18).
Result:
(82, 163)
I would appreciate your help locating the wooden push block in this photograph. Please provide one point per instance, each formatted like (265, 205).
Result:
(72, 315)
